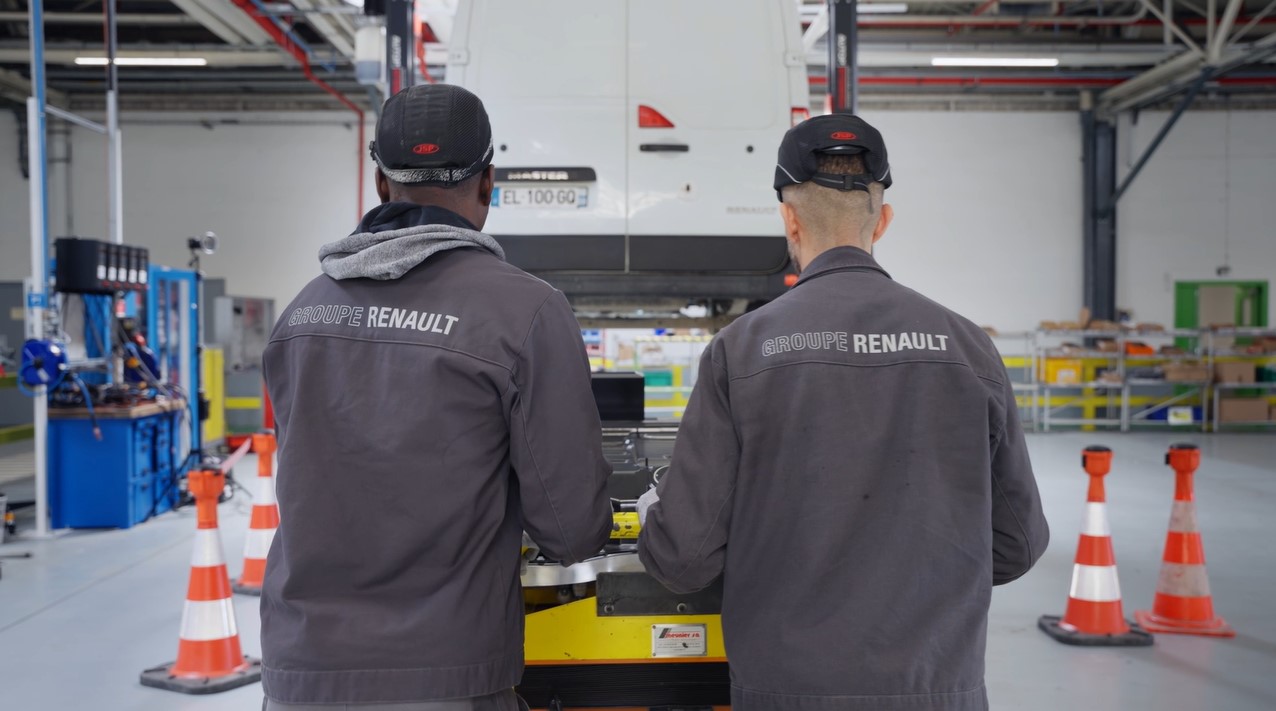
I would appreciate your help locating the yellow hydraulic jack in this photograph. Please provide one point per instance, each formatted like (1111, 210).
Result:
(602, 634)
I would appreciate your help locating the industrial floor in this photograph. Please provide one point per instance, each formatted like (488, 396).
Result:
(91, 609)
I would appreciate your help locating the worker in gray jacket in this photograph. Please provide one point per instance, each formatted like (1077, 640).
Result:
(432, 402)
(853, 465)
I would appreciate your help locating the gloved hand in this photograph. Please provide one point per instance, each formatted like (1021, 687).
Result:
(644, 502)
(530, 551)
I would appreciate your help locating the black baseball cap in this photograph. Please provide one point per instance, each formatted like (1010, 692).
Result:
(831, 134)
(432, 133)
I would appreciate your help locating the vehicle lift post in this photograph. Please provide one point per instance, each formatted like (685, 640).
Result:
(843, 42)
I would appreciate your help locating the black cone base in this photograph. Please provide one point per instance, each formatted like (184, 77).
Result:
(1136, 637)
(159, 678)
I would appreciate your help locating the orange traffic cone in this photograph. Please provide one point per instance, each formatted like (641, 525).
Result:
(209, 659)
(1094, 616)
(264, 521)
(1183, 603)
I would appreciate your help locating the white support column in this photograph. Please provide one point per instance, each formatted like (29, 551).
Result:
(114, 175)
(35, 304)
(114, 167)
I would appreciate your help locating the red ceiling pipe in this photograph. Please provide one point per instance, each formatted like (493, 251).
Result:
(1057, 82)
(883, 22)
(299, 54)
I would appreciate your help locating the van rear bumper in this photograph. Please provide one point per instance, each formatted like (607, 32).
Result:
(655, 254)
(662, 287)
(691, 267)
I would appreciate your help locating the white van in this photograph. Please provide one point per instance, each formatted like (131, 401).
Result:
(636, 139)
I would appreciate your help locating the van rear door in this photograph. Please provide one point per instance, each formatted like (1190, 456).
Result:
(718, 72)
(552, 75)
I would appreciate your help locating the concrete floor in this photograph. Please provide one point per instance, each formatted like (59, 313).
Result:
(80, 620)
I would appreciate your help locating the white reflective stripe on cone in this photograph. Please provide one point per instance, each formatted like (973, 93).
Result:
(208, 549)
(1095, 583)
(1095, 522)
(205, 621)
(264, 495)
(1183, 517)
(1183, 580)
(257, 544)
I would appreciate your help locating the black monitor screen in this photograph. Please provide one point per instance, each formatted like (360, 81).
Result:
(621, 397)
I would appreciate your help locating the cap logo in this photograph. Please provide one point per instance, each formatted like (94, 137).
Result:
(425, 149)
(843, 136)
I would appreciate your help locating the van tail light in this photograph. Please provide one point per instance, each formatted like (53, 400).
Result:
(798, 114)
(650, 118)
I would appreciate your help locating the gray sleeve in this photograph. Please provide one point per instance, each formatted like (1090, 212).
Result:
(684, 541)
(1019, 530)
(556, 439)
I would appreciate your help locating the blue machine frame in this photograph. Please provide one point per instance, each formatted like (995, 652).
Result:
(172, 327)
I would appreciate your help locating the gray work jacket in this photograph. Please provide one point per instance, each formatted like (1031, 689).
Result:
(852, 462)
(424, 422)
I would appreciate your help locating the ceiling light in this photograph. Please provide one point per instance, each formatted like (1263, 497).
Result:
(143, 61)
(881, 8)
(994, 62)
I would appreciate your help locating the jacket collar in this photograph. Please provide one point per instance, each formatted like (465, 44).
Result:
(400, 215)
(841, 259)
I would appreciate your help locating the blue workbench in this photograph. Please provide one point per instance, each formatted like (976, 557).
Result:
(122, 479)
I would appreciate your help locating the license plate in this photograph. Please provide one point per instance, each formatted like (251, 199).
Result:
(558, 197)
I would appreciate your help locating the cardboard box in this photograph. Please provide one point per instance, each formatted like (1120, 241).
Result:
(1243, 409)
(1107, 345)
(1243, 373)
(1185, 373)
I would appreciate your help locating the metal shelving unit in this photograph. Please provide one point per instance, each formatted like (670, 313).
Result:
(1090, 394)
(1220, 388)
(1129, 400)
(1144, 398)
(1219, 353)
(1018, 353)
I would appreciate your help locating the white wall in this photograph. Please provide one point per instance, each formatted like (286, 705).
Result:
(987, 212)
(273, 188)
(988, 204)
(15, 236)
(1209, 190)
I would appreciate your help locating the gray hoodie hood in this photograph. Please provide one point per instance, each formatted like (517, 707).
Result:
(396, 237)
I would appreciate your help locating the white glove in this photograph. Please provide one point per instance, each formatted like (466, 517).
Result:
(644, 502)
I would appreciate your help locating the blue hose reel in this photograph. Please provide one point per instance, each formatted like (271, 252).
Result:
(43, 363)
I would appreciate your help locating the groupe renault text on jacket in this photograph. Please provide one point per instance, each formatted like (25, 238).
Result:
(432, 402)
(852, 458)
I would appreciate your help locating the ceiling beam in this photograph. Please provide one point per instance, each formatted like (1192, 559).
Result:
(17, 88)
(210, 21)
(327, 27)
(93, 18)
(1176, 74)
(217, 55)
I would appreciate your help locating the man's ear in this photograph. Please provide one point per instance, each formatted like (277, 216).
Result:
(383, 186)
(487, 183)
(883, 222)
